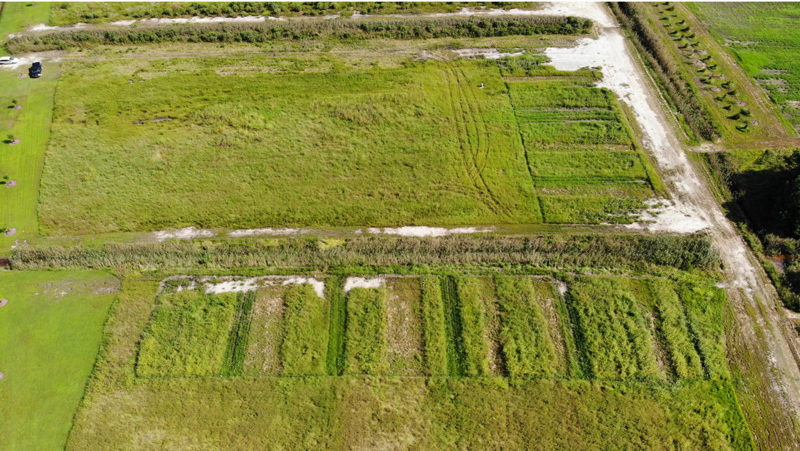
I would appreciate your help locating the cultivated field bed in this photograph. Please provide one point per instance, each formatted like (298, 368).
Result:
(601, 328)
(430, 349)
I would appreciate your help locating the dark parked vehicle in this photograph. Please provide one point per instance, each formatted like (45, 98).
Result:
(36, 70)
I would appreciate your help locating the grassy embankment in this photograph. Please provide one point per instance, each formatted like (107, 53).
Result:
(50, 330)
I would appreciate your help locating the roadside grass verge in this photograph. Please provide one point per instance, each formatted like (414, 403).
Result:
(51, 330)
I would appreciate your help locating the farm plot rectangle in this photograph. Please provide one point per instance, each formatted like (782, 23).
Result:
(582, 154)
(151, 144)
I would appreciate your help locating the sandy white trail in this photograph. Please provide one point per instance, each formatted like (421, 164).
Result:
(694, 203)
(428, 231)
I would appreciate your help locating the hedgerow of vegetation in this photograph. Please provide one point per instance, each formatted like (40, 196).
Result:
(632, 252)
(526, 346)
(453, 327)
(365, 343)
(187, 335)
(305, 343)
(680, 91)
(450, 27)
(65, 13)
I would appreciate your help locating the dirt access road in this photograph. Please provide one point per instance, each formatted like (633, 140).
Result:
(763, 345)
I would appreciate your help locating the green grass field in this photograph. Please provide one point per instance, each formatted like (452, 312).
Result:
(50, 332)
(764, 38)
(417, 144)
(473, 409)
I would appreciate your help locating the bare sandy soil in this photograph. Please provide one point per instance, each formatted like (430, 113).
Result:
(763, 332)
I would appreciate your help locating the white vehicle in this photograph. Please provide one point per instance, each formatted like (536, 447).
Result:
(6, 60)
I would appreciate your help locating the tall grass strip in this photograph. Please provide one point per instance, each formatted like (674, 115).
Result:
(365, 345)
(473, 332)
(453, 327)
(305, 343)
(334, 292)
(433, 327)
(526, 345)
(236, 350)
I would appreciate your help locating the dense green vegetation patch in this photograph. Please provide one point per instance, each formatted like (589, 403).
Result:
(352, 411)
(613, 334)
(526, 345)
(764, 187)
(577, 135)
(187, 335)
(365, 343)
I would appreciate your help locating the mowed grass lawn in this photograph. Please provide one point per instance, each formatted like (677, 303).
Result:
(31, 125)
(50, 332)
(142, 145)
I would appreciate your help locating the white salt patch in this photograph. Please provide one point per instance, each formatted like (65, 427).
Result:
(231, 286)
(265, 232)
(319, 287)
(360, 282)
(183, 234)
(421, 231)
